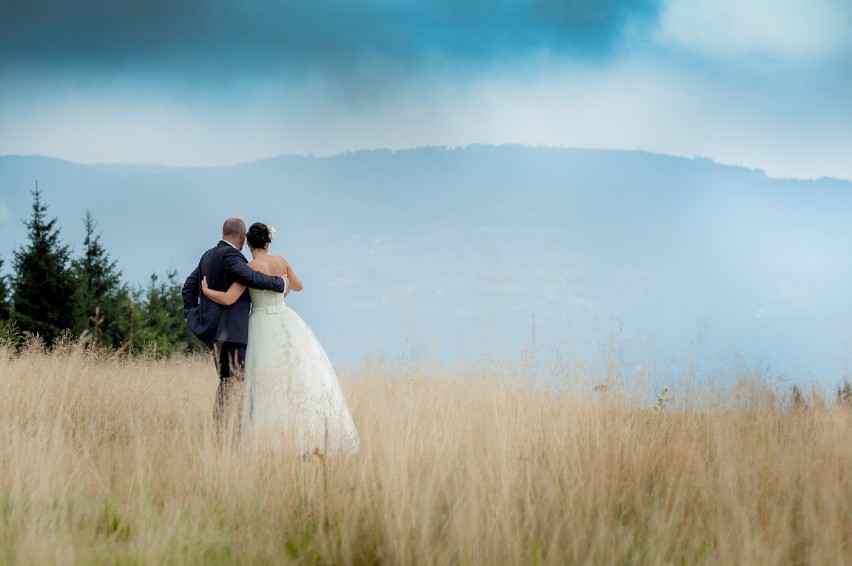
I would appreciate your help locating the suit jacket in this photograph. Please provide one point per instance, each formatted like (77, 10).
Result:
(210, 321)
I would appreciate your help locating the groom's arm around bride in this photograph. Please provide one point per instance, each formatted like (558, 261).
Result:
(222, 265)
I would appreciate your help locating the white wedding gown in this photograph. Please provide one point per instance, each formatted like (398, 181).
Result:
(291, 396)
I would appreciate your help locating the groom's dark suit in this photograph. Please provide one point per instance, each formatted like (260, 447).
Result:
(223, 328)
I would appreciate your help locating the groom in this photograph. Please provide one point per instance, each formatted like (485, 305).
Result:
(225, 328)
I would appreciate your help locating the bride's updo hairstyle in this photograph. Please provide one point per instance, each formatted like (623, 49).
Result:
(258, 235)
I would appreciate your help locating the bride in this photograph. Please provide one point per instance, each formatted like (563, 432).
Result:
(291, 392)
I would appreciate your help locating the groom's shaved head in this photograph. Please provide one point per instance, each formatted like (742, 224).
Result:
(233, 227)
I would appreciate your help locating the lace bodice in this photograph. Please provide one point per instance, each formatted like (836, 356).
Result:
(266, 301)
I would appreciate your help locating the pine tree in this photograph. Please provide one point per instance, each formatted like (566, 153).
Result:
(100, 296)
(159, 328)
(42, 286)
(5, 311)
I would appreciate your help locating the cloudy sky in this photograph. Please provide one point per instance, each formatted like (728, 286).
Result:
(760, 83)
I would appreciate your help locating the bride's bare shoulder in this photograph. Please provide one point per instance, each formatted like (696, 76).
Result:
(265, 265)
(280, 262)
(275, 265)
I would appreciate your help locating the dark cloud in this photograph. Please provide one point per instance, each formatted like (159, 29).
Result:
(258, 37)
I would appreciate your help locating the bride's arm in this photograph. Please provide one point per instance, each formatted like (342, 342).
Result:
(223, 297)
(293, 281)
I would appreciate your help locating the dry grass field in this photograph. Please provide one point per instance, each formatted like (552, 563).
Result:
(114, 460)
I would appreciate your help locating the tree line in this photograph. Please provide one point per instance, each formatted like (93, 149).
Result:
(52, 295)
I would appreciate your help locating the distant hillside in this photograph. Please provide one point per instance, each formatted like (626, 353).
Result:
(448, 254)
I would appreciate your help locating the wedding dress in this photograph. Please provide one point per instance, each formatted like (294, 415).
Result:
(291, 396)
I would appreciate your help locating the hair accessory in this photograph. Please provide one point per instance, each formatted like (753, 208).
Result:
(272, 232)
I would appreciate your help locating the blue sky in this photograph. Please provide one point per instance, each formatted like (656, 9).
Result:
(758, 83)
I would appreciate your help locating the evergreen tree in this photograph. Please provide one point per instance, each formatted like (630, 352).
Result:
(8, 333)
(159, 327)
(100, 297)
(5, 311)
(42, 285)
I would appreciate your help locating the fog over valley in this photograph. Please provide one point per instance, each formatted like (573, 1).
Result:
(457, 255)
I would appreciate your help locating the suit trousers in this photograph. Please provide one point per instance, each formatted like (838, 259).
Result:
(230, 360)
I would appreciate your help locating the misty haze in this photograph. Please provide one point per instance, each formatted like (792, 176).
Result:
(454, 256)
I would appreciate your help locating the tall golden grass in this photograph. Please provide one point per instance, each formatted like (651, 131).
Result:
(110, 459)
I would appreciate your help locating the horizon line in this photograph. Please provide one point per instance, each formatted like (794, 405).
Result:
(390, 150)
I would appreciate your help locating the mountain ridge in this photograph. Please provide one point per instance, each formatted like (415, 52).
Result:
(148, 167)
(448, 252)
